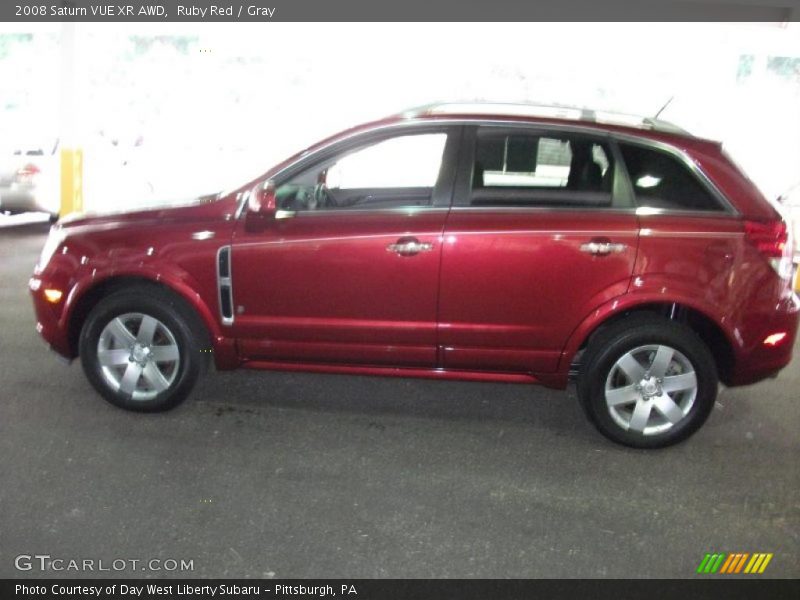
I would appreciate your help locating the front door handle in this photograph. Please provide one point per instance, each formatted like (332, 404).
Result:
(409, 247)
(602, 247)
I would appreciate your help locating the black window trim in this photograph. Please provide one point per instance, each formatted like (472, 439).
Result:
(462, 131)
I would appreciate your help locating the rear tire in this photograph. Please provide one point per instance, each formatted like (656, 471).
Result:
(647, 382)
(143, 349)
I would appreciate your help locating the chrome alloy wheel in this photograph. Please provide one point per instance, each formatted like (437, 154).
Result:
(138, 355)
(650, 389)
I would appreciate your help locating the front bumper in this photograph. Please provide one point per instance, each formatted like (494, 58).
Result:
(49, 323)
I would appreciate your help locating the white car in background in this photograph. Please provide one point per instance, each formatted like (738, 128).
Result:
(29, 179)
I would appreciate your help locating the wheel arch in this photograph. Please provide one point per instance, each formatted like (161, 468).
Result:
(706, 327)
(83, 304)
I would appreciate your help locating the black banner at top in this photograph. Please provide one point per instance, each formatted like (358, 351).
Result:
(775, 11)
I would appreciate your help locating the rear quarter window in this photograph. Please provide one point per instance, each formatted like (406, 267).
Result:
(661, 181)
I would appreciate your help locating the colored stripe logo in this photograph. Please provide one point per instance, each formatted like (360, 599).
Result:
(735, 562)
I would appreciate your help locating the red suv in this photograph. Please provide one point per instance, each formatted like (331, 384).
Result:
(489, 243)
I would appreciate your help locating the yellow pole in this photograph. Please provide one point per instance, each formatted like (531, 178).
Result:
(71, 180)
(71, 153)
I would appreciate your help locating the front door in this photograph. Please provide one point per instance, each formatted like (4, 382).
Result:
(349, 271)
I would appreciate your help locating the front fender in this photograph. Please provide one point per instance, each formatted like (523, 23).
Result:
(171, 278)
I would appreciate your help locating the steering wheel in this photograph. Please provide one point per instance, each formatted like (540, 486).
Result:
(322, 199)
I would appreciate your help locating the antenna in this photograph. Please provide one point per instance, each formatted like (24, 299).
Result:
(668, 102)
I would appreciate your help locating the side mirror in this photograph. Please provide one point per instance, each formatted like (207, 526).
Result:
(262, 200)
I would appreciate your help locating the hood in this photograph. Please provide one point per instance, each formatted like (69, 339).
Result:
(200, 208)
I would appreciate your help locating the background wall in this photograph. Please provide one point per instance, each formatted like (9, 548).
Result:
(168, 111)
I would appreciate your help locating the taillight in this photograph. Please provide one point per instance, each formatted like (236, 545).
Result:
(773, 240)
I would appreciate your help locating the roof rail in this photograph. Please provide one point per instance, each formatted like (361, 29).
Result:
(544, 111)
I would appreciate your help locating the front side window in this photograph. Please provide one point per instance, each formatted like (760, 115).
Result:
(661, 181)
(396, 173)
(541, 170)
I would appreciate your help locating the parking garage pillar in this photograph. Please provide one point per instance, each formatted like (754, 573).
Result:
(71, 180)
(71, 154)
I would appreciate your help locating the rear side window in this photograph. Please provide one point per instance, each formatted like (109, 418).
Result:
(541, 170)
(662, 181)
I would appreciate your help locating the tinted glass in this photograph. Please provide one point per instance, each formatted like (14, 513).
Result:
(662, 181)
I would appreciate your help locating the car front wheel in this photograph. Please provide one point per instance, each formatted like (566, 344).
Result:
(142, 350)
(647, 382)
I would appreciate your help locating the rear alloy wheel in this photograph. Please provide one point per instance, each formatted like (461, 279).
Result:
(142, 349)
(648, 382)
(650, 389)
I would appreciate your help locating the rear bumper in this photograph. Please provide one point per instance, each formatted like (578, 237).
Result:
(763, 360)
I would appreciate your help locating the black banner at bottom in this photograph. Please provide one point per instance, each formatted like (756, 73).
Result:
(404, 589)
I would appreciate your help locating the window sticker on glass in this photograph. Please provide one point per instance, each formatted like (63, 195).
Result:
(530, 162)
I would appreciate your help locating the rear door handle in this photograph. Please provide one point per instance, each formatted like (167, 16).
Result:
(602, 248)
(409, 247)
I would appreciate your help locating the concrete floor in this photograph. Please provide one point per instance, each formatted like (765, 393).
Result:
(295, 475)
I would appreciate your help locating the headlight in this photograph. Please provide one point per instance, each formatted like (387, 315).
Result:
(54, 240)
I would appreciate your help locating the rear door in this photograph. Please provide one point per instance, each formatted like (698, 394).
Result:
(542, 232)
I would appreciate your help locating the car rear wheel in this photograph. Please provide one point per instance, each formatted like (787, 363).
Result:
(142, 349)
(647, 382)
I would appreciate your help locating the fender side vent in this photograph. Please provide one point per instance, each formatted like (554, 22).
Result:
(225, 284)
(223, 262)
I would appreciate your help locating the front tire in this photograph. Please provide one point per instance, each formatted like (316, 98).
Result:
(142, 349)
(647, 382)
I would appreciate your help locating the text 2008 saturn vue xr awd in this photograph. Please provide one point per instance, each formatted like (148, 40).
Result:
(480, 242)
